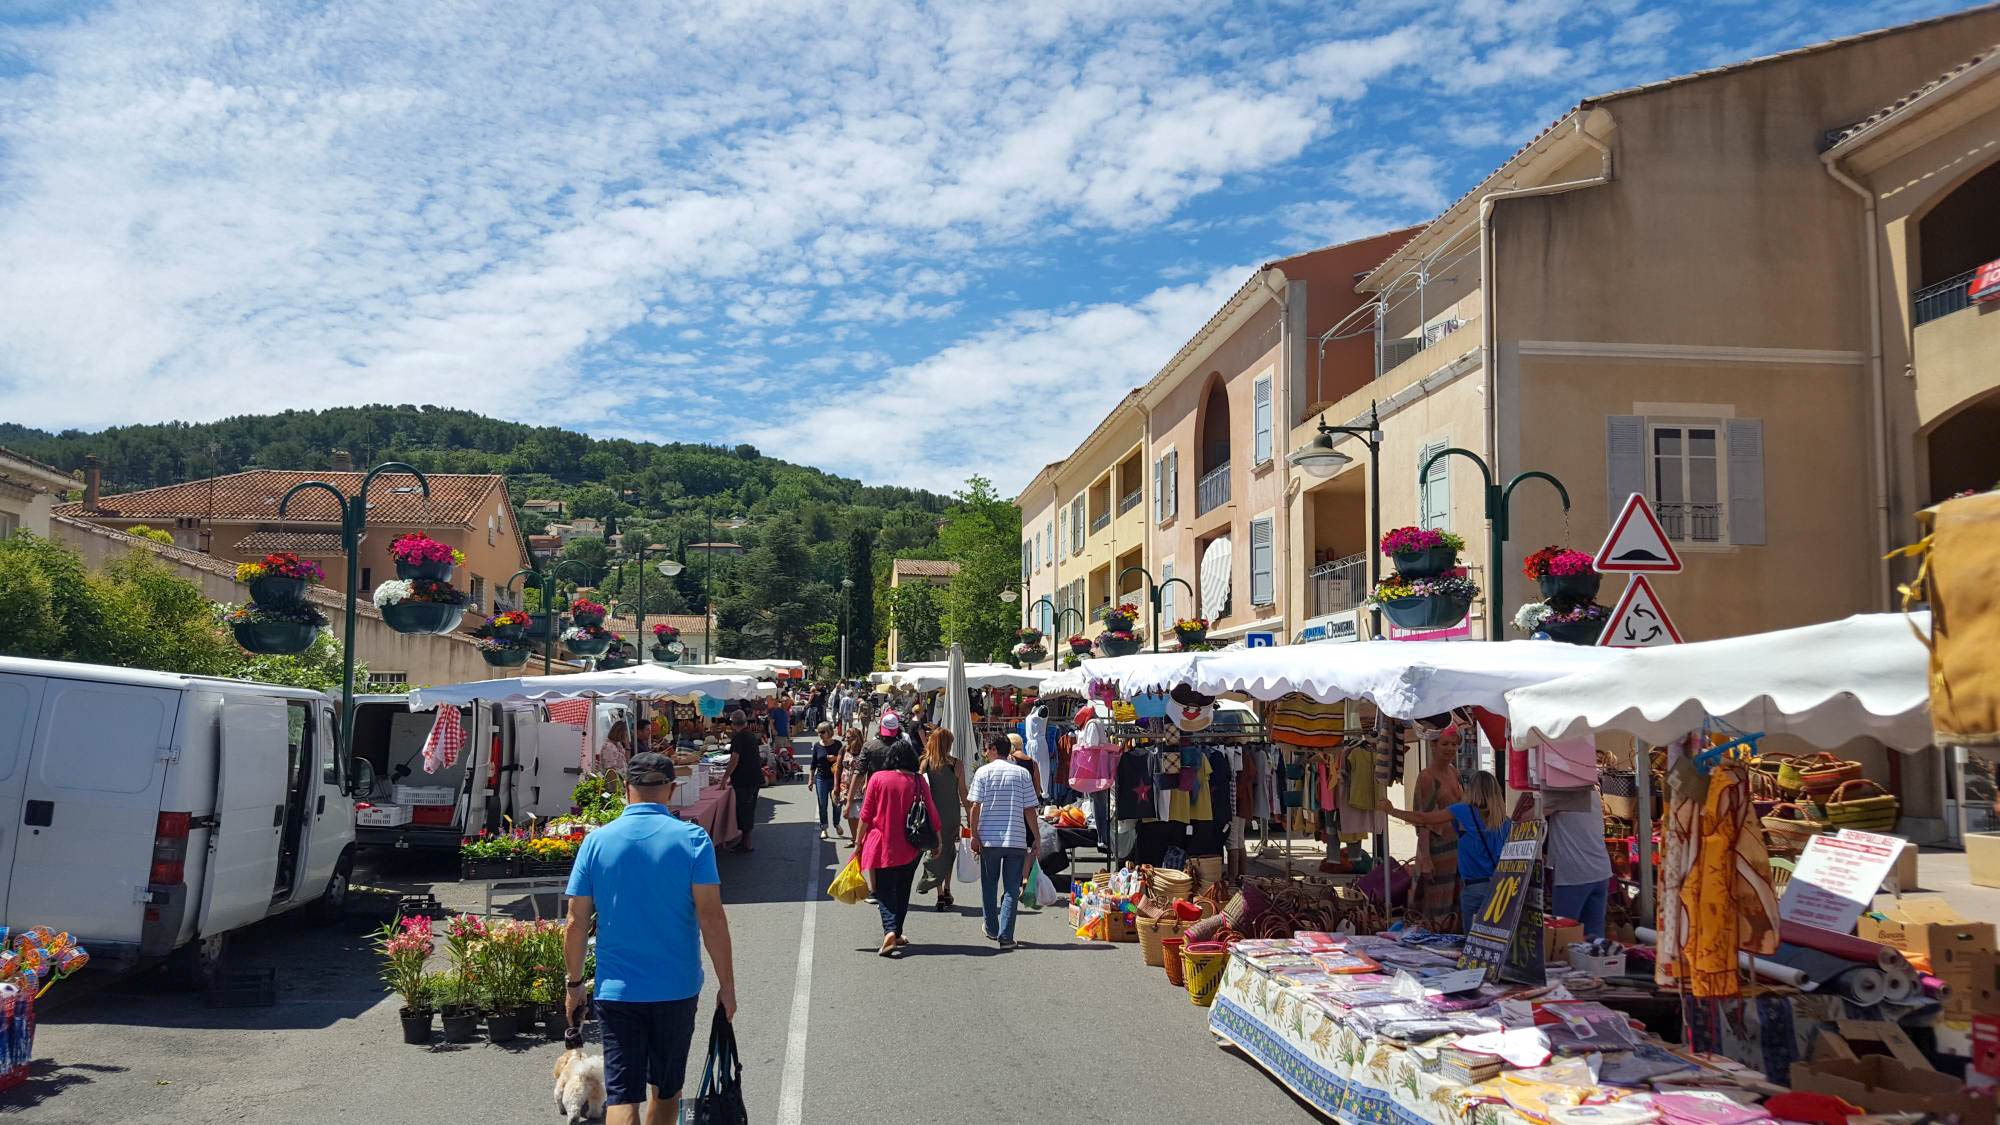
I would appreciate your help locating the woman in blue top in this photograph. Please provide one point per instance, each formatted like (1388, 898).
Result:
(1482, 824)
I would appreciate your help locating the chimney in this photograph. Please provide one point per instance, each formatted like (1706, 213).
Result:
(93, 482)
(342, 463)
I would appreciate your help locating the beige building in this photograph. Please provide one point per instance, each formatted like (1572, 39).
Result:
(934, 571)
(235, 518)
(29, 489)
(1083, 526)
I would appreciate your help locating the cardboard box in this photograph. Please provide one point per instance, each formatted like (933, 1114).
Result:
(1974, 977)
(1920, 926)
(1880, 1084)
(1556, 941)
(1982, 855)
(1904, 873)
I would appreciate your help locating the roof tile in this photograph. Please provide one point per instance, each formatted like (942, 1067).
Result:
(254, 494)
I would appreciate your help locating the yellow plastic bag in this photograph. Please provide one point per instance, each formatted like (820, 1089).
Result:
(849, 886)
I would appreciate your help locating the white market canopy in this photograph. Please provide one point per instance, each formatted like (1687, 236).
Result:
(764, 669)
(1865, 676)
(640, 681)
(927, 677)
(1405, 679)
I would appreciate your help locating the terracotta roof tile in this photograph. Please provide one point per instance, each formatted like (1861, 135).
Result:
(254, 495)
(926, 568)
(1839, 136)
(313, 543)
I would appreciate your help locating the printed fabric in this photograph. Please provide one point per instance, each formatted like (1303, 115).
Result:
(1727, 899)
(1296, 720)
(446, 741)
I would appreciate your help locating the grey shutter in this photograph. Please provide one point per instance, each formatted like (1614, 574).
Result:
(1159, 496)
(1261, 418)
(1174, 484)
(1746, 481)
(1624, 459)
(1261, 592)
(1166, 595)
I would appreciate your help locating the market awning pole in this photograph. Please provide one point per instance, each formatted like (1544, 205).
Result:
(1642, 770)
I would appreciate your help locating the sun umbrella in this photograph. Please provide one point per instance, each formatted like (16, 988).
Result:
(958, 708)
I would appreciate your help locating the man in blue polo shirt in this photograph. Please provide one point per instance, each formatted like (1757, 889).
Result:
(648, 878)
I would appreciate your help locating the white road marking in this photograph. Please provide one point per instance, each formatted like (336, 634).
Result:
(792, 1086)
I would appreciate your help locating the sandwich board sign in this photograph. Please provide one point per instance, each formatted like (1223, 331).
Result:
(1505, 940)
(1638, 620)
(1637, 543)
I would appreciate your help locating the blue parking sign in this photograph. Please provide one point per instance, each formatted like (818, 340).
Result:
(1260, 640)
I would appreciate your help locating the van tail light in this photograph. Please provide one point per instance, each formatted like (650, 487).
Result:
(170, 844)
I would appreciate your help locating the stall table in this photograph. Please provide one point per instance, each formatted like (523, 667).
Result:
(715, 811)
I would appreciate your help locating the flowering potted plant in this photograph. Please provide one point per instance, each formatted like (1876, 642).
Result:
(419, 556)
(1563, 573)
(583, 611)
(549, 855)
(499, 652)
(489, 856)
(1425, 603)
(1117, 642)
(420, 605)
(279, 578)
(1122, 618)
(1075, 658)
(1422, 552)
(617, 656)
(505, 973)
(1030, 653)
(1079, 644)
(509, 626)
(666, 643)
(1191, 631)
(586, 640)
(460, 986)
(405, 944)
(276, 629)
(1029, 635)
(1576, 623)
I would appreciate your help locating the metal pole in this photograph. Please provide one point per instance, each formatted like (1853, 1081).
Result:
(1374, 521)
(1642, 770)
(548, 587)
(708, 609)
(639, 627)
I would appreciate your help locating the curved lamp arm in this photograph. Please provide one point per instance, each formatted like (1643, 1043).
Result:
(1485, 474)
(394, 466)
(339, 497)
(1540, 475)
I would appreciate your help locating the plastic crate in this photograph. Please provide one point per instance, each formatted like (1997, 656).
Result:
(1612, 965)
(432, 816)
(426, 795)
(381, 816)
(1986, 1045)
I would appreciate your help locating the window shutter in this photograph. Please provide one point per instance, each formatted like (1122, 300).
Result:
(1159, 497)
(1167, 594)
(1261, 592)
(1434, 491)
(1262, 416)
(1062, 534)
(1624, 458)
(1746, 481)
(1173, 484)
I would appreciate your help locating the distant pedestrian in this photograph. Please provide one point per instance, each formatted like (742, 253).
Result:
(947, 782)
(1005, 832)
(1017, 753)
(781, 720)
(886, 848)
(746, 775)
(847, 704)
(825, 755)
(647, 880)
(851, 783)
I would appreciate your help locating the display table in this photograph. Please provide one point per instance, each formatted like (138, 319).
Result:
(715, 811)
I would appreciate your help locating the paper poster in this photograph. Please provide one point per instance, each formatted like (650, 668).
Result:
(1836, 879)
(1506, 938)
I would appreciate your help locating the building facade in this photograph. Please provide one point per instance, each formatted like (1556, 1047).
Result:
(901, 571)
(29, 490)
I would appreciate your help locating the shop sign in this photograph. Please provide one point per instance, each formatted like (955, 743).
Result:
(1506, 938)
(1985, 284)
(1336, 627)
(1837, 877)
(1459, 632)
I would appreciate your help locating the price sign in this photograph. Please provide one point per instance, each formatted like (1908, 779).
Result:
(1506, 938)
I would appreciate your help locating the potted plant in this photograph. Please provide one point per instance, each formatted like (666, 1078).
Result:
(1425, 603)
(549, 856)
(502, 654)
(1075, 659)
(1122, 618)
(488, 857)
(617, 656)
(279, 578)
(1030, 654)
(1118, 642)
(420, 605)
(1191, 631)
(502, 958)
(509, 626)
(276, 629)
(583, 611)
(1029, 635)
(1079, 644)
(545, 992)
(405, 945)
(1577, 624)
(666, 643)
(459, 1009)
(1422, 552)
(586, 640)
(419, 556)
(1563, 573)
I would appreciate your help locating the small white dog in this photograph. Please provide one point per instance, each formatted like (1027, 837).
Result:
(580, 1086)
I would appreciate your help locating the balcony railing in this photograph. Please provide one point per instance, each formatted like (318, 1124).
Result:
(1212, 490)
(1099, 522)
(1942, 299)
(1338, 585)
(1390, 353)
(1130, 500)
(1691, 523)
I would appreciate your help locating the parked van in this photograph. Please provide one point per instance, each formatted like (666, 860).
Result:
(516, 765)
(153, 813)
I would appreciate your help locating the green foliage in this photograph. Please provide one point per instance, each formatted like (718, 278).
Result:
(153, 533)
(774, 600)
(918, 619)
(860, 602)
(984, 538)
(134, 614)
(591, 554)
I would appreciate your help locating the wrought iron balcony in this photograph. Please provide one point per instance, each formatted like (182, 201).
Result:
(1942, 299)
(1101, 521)
(1691, 523)
(1212, 490)
(1338, 585)
(1130, 500)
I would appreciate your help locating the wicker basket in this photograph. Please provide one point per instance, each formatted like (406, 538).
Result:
(1823, 773)
(1151, 930)
(1163, 886)
(1874, 813)
(1791, 825)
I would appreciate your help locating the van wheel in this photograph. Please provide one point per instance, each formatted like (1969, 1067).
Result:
(196, 965)
(330, 907)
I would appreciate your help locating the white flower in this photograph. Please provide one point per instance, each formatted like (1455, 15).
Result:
(576, 633)
(1529, 617)
(393, 591)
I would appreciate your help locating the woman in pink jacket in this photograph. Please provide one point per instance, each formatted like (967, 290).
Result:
(886, 850)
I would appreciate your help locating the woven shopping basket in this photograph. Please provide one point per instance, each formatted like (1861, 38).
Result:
(1164, 885)
(1151, 930)
(1792, 824)
(1823, 773)
(1201, 965)
(1876, 812)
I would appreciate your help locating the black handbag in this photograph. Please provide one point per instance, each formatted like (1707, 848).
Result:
(918, 827)
(720, 1099)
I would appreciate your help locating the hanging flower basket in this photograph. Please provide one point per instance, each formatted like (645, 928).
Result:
(1080, 645)
(505, 656)
(1570, 587)
(1118, 643)
(1422, 552)
(419, 556)
(666, 654)
(276, 638)
(586, 640)
(1028, 636)
(279, 578)
(583, 611)
(1030, 657)
(1563, 574)
(509, 626)
(1191, 631)
(1123, 618)
(1425, 603)
(276, 589)
(423, 618)
(539, 627)
(1579, 625)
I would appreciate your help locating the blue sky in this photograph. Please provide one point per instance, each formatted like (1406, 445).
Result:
(905, 243)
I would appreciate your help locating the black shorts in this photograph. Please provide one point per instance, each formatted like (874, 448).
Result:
(746, 808)
(645, 1044)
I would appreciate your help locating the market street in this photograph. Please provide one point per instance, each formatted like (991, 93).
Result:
(830, 1032)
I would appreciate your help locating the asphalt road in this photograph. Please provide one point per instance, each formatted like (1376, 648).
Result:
(830, 1033)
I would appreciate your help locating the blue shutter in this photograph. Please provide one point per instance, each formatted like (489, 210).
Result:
(1624, 459)
(1159, 496)
(1746, 481)
(1262, 588)
(1166, 595)
(1262, 413)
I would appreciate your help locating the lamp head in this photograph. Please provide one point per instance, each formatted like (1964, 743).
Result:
(669, 567)
(1318, 457)
(1010, 595)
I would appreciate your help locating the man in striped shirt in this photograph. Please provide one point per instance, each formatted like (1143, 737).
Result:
(1005, 832)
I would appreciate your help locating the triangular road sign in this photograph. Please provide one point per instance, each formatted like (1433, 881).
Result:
(1637, 542)
(1638, 620)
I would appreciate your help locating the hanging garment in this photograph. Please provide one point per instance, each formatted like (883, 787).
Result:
(1677, 852)
(1296, 720)
(1727, 897)
(1035, 731)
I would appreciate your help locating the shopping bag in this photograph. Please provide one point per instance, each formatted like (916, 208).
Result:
(1028, 899)
(849, 886)
(720, 1100)
(966, 868)
(1045, 887)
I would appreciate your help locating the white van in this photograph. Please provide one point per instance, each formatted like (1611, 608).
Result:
(152, 813)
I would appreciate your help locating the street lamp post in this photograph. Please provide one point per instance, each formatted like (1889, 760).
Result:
(846, 591)
(545, 580)
(1498, 501)
(1319, 458)
(353, 521)
(668, 567)
(1153, 590)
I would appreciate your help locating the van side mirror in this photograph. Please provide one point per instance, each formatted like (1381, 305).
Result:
(360, 777)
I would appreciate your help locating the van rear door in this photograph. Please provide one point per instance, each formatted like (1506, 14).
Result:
(20, 705)
(249, 811)
(91, 808)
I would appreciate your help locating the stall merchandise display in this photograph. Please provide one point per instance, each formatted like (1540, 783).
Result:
(31, 962)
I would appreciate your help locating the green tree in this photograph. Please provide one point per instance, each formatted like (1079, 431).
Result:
(861, 602)
(594, 556)
(918, 619)
(983, 536)
(774, 601)
(134, 614)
